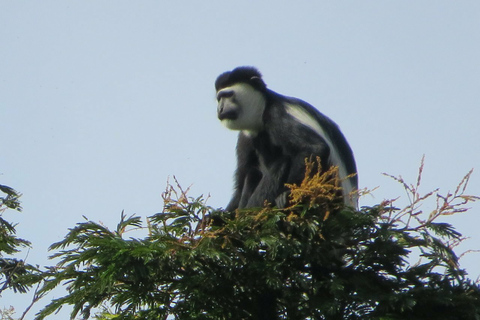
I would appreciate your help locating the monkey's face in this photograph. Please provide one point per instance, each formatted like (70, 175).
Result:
(241, 107)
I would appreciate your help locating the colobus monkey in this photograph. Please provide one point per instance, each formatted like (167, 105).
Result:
(276, 134)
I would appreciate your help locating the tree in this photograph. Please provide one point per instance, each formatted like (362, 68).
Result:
(314, 260)
(15, 274)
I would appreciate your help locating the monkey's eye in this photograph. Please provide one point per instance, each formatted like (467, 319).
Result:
(225, 94)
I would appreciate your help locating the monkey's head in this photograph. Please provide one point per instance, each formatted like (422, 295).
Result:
(241, 99)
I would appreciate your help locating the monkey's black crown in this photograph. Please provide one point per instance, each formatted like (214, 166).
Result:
(248, 75)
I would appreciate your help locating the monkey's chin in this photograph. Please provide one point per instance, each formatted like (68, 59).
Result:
(249, 130)
(231, 124)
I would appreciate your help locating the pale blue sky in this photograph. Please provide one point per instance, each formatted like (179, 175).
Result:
(101, 101)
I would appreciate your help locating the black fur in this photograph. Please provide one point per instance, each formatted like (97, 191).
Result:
(248, 75)
(276, 154)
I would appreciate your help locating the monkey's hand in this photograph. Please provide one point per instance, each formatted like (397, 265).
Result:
(282, 200)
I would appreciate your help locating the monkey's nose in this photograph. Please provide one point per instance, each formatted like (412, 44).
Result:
(227, 113)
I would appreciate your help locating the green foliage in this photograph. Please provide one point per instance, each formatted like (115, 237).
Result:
(309, 261)
(14, 273)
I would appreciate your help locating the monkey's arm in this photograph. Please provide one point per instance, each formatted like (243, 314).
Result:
(246, 176)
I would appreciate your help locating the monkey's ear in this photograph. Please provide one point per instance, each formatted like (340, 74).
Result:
(258, 83)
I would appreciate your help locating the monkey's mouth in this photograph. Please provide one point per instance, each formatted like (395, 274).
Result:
(227, 114)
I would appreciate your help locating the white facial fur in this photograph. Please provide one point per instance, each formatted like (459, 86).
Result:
(306, 119)
(251, 105)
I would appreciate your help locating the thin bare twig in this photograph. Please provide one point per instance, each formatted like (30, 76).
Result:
(36, 297)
